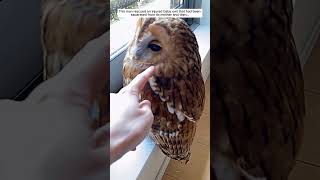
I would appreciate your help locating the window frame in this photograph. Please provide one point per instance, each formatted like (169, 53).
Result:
(192, 4)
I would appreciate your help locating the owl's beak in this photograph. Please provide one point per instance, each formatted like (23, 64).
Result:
(137, 52)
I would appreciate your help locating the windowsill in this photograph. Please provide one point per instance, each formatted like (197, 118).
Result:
(131, 164)
(148, 162)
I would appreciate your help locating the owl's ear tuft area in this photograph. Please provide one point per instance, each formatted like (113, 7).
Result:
(139, 22)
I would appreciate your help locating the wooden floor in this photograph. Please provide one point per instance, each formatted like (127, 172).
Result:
(308, 162)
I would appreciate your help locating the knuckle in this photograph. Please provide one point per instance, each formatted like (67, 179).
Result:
(150, 115)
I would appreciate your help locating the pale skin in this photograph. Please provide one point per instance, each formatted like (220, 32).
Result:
(47, 136)
(131, 121)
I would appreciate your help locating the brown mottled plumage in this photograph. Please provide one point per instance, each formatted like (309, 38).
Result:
(66, 26)
(176, 91)
(258, 86)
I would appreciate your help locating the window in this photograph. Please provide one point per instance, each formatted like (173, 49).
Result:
(121, 29)
(176, 3)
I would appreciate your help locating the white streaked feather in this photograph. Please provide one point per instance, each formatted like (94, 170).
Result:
(162, 98)
(170, 108)
(153, 85)
(180, 115)
(169, 134)
(178, 111)
(161, 133)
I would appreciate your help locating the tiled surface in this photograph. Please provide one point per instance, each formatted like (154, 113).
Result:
(310, 150)
(195, 169)
(168, 177)
(203, 126)
(308, 163)
(199, 165)
(303, 171)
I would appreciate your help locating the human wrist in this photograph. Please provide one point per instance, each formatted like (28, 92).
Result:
(117, 144)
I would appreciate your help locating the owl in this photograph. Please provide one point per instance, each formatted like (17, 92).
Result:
(176, 90)
(66, 26)
(258, 90)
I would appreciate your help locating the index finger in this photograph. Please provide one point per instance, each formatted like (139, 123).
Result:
(88, 68)
(138, 83)
(86, 73)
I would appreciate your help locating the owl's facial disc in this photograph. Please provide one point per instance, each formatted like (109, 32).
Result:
(146, 48)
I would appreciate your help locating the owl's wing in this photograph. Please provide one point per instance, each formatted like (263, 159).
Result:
(259, 86)
(183, 93)
(262, 111)
(66, 26)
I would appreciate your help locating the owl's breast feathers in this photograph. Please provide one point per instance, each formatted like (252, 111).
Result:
(180, 94)
(259, 85)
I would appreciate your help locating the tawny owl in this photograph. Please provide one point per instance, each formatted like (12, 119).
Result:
(66, 26)
(258, 90)
(176, 90)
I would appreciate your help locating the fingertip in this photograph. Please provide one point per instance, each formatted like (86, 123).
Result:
(145, 75)
(151, 69)
(138, 83)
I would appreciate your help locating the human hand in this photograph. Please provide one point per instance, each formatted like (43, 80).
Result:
(130, 121)
(47, 136)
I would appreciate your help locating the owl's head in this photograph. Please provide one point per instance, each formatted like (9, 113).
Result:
(159, 40)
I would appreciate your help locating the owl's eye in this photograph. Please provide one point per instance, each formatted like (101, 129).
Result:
(154, 47)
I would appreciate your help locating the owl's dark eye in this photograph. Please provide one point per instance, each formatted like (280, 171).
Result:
(154, 47)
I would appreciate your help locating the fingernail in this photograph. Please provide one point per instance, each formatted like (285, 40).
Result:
(150, 68)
